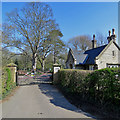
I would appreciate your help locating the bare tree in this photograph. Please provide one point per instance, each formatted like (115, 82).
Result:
(101, 39)
(80, 43)
(28, 28)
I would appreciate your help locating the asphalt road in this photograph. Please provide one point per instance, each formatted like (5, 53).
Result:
(41, 100)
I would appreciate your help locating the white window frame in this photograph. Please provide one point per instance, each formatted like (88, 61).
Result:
(91, 67)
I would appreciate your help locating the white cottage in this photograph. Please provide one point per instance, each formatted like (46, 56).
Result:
(96, 58)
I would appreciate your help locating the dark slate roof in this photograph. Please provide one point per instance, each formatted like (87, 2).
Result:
(80, 57)
(92, 53)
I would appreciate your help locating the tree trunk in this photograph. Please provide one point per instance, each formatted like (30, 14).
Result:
(34, 62)
(54, 58)
(42, 62)
(43, 65)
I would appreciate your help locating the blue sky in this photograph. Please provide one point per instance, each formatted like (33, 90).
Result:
(78, 18)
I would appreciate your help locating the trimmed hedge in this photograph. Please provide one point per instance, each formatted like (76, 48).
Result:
(72, 80)
(7, 82)
(104, 85)
(100, 85)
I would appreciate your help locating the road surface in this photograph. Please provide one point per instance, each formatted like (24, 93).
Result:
(41, 100)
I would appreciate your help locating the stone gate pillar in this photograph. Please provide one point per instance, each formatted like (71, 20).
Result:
(13, 68)
(56, 67)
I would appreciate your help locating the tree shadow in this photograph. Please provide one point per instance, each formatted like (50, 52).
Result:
(57, 99)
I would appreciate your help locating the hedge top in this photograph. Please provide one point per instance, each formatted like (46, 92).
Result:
(76, 70)
(11, 65)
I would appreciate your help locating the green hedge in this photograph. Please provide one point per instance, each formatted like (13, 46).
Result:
(104, 85)
(72, 80)
(100, 85)
(7, 82)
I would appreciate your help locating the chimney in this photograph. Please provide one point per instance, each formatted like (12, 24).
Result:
(94, 42)
(113, 36)
(109, 37)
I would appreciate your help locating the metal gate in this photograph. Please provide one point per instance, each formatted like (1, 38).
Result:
(32, 80)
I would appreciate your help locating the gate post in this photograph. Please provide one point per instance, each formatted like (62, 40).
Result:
(13, 68)
(56, 67)
(17, 79)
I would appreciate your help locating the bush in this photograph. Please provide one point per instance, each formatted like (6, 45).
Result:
(101, 86)
(7, 82)
(104, 85)
(3, 81)
(73, 80)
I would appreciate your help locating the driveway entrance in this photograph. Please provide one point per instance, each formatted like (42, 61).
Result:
(40, 99)
(37, 79)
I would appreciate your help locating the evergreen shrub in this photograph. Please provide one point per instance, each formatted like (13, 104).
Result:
(7, 82)
(100, 85)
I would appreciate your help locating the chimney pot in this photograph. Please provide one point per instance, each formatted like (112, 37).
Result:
(94, 37)
(94, 42)
(113, 31)
(113, 36)
(109, 33)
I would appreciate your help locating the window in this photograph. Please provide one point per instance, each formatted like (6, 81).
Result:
(112, 66)
(91, 67)
(113, 53)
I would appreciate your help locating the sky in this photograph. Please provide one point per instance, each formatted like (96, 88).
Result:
(78, 18)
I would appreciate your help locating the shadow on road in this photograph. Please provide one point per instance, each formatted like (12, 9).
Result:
(54, 95)
(47, 88)
(57, 98)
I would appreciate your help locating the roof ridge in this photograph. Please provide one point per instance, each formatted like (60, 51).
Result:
(97, 47)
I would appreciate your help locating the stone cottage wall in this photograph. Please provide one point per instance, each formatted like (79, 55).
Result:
(70, 61)
(108, 58)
